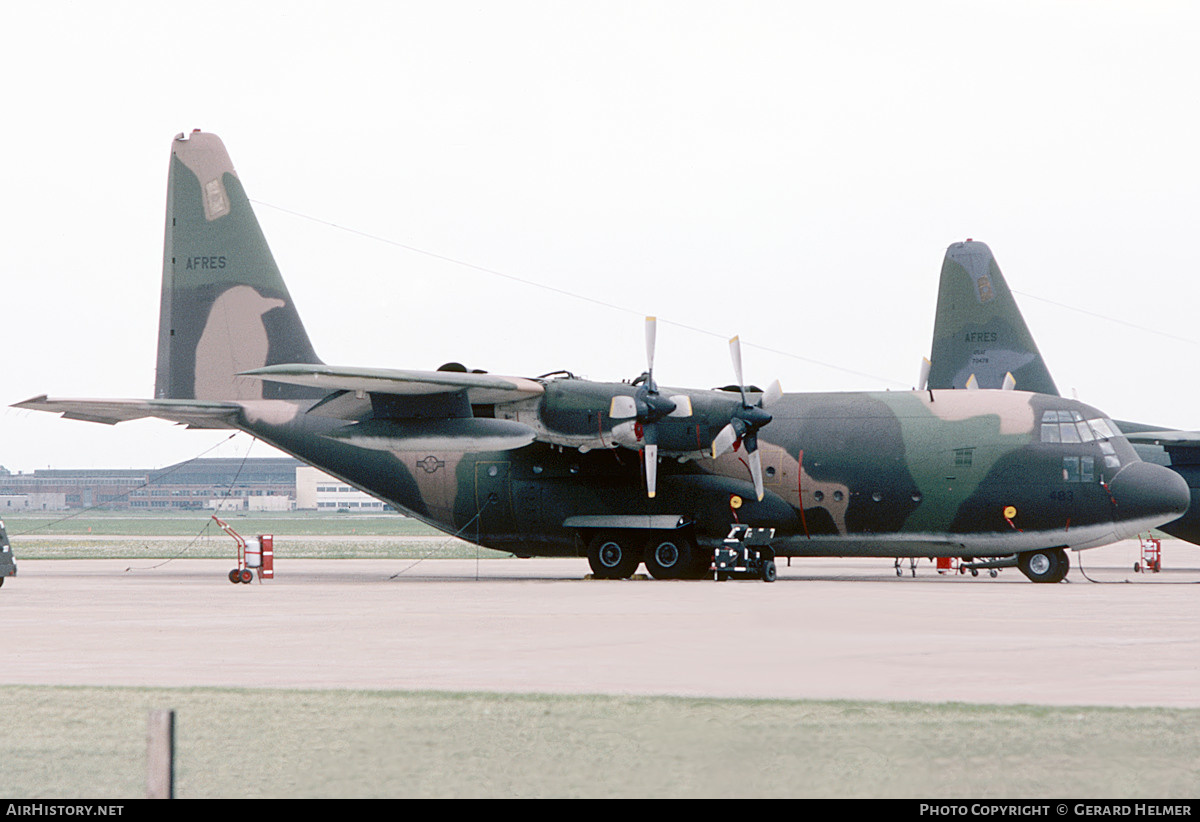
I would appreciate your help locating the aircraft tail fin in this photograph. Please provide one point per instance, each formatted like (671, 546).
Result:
(979, 335)
(225, 308)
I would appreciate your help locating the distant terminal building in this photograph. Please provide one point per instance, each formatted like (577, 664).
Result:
(268, 484)
(317, 491)
(264, 484)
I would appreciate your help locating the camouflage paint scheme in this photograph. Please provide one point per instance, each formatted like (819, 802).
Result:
(979, 331)
(543, 467)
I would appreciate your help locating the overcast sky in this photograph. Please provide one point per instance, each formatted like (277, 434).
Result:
(788, 171)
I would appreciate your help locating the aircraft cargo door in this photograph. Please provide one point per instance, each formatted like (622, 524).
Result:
(493, 496)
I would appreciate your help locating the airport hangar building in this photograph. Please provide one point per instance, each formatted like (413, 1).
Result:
(264, 484)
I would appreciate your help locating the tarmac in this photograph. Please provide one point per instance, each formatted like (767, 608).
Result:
(827, 629)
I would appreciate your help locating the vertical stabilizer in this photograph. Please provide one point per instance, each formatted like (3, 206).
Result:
(225, 308)
(979, 330)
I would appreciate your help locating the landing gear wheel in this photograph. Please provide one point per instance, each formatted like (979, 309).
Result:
(768, 571)
(235, 576)
(1050, 565)
(613, 556)
(668, 557)
(246, 576)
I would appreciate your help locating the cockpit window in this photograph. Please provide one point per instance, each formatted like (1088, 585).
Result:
(1070, 428)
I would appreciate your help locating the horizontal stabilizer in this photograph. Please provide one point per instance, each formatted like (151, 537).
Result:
(482, 389)
(436, 435)
(193, 413)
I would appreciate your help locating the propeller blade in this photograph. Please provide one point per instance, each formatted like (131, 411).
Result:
(651, 334)
(972, 383)
(756, 472)
(622, 407)
(724, 440)
(683, 405)
(1010, 382)
(735, 353)
(650, 453)
(772, 395)
(923, 380)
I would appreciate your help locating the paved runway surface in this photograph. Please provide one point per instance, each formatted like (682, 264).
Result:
(826, 629)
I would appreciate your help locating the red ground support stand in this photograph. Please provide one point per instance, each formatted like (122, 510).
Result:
(267, 541)
(257, 555)
(1151, 556)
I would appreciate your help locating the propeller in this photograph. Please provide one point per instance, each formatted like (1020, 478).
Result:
(647, 407)
(747, 419)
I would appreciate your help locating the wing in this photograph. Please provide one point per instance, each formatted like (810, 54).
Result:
(1166, 438)
(481, 389)
(411, 409)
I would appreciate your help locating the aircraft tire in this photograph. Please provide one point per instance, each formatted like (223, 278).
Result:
(669, 557)
(1050, 565)
(613, 556)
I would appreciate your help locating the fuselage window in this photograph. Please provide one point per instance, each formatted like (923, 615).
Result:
(1079, 469)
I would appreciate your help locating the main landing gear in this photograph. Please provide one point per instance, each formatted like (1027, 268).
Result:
(667, 554)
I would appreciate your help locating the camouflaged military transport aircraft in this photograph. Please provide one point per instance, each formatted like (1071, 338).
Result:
(624, 472)
(981, 340)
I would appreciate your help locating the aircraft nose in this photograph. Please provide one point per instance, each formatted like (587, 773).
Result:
(1148, 492)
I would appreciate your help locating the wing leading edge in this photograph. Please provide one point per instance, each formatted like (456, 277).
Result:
(481, 389)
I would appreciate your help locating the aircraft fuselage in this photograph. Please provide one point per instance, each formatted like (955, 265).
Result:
(947, 473)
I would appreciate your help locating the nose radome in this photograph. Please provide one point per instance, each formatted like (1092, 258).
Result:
(1150, 493)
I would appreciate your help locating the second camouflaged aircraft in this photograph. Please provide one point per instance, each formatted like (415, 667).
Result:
(625, 473)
